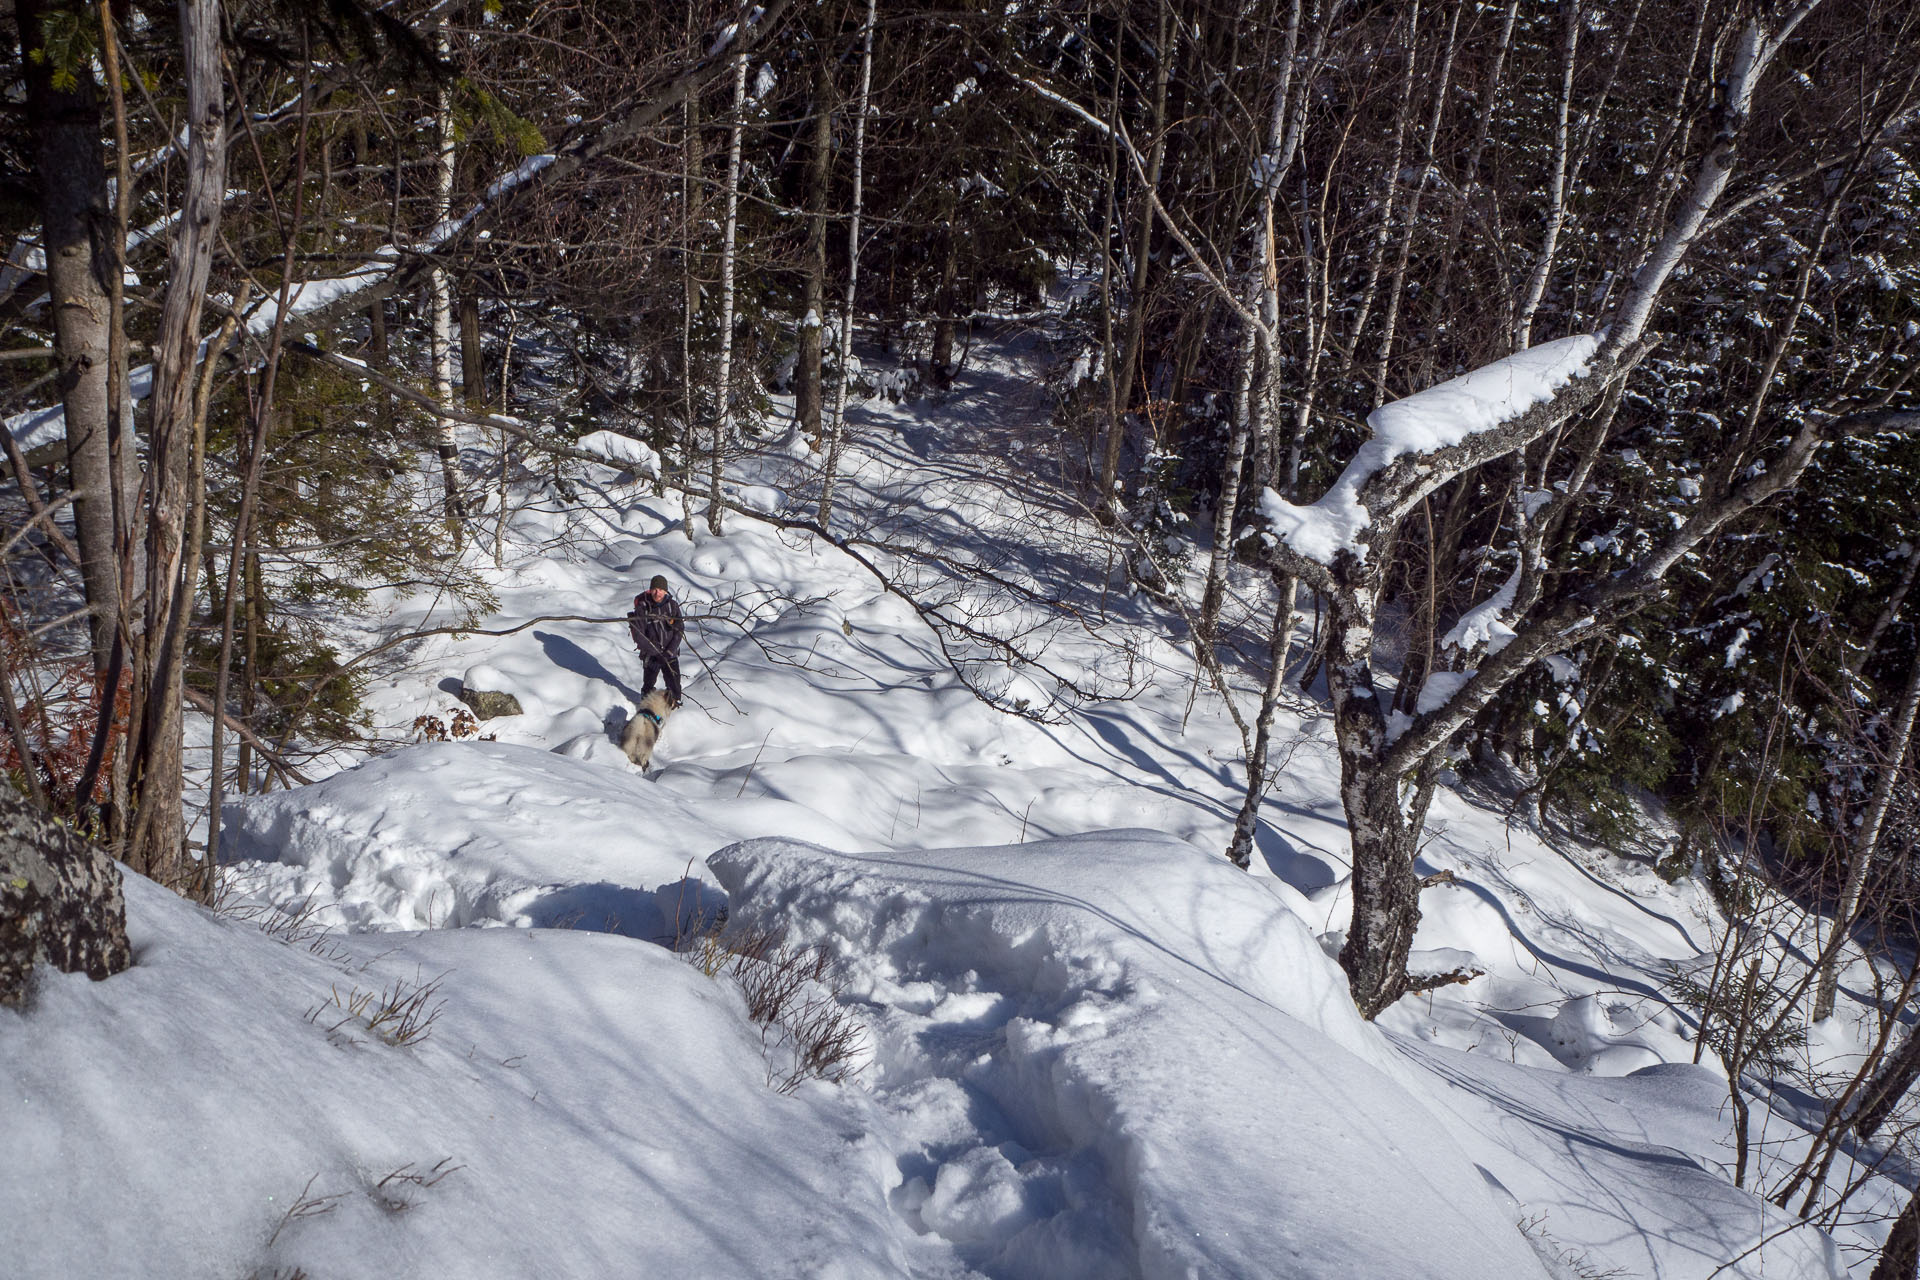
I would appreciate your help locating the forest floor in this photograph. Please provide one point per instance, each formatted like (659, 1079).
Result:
(433, 1029)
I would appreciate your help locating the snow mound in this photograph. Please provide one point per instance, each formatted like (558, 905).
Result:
(452, 834)
(583, 1105)
(1113, 1055)
(1584, 1032)
(636, 455)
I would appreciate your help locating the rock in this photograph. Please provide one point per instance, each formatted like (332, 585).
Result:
(60, 901)
(486, 704)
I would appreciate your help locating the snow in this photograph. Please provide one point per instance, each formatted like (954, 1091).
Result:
(1086, 1046)
(570, 1077)
(306, 296)
(1439, 689)
(447, 835)
(1123, 993)
(1481, 625)
(1437, 418)
(611, 445)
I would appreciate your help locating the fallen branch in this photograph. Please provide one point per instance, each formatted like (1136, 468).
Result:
(200, 700)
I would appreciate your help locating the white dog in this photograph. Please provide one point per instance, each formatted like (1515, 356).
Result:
(643, 729)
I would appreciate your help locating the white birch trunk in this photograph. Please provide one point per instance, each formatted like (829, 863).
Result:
(838, 429)
(1260, 316)
(723, 416)
(1411, 224)
(1865, 845)
(1556, 196)
(1389, 196)
(441, 342)
(1754, 51)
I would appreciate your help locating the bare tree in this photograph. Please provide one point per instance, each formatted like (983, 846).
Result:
(439, 288)
(807, 388)
(1867, 842)
(723, 415)
(157, 840)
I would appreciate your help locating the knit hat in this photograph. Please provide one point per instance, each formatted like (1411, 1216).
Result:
(659, 583)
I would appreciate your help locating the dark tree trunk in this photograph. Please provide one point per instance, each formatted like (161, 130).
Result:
(1125, 375)
(1384, 838)
(940, 363)
(807, 394)
(1901, 1257)
(77, 235)
(1889, 1085)
(473, 372)
(377, 354)
(1279, 641)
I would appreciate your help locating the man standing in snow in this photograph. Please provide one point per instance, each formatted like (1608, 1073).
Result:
(656, 628)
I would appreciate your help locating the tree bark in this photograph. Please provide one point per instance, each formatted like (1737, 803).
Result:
(723, 417)
(76, 236)
(441, 294)
(807, 383)
(940, 362)
(1900, 1257)
(473, 371)
(1889, 1085)
(1124, 374)
(158, 839)
(1280, 640)
(1536, 289)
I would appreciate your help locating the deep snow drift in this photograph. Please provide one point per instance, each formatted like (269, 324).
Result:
(1087, 1046)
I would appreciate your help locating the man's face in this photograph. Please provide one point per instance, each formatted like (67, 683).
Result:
(656, 594)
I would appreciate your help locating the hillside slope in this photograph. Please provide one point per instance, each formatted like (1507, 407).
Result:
(1089, 1046)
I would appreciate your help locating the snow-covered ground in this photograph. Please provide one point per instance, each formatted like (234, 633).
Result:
(1085, 1046)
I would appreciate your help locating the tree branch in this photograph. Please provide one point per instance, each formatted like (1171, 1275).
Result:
(1623, 593)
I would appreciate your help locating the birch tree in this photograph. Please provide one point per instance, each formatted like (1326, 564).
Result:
(440, 289)
(63, 115)
(723, 413)
(839, 425)
(1866, 842)
(807, 383)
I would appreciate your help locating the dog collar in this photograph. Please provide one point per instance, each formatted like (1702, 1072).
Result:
(657, 722)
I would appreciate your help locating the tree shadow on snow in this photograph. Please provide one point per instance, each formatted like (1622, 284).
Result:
(568, 656)
(1304, 871)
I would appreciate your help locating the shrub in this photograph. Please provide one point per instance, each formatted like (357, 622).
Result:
(792, 994)
(401, 1013)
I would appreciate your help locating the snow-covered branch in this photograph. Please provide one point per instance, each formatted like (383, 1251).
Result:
(1421, 442)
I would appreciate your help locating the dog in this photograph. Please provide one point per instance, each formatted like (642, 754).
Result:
(643, 730)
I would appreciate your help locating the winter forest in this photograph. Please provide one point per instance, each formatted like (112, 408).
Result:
(1301, 639)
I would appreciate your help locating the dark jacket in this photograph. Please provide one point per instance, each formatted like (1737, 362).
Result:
(655, 625)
